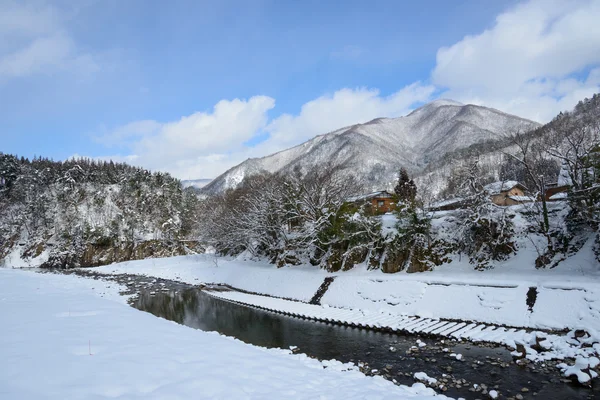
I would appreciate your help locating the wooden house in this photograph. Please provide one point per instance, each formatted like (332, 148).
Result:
(380, 202)
(449, 204)
(555, 192)
(507, 193)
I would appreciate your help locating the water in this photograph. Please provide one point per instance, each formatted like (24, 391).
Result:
(196, 309)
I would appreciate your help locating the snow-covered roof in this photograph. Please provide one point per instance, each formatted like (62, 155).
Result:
(559, 196)
(522, 199)
(502, 186)
(447, 202)
(381, 193)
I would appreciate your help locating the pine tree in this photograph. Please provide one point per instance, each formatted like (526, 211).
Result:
(405, 189)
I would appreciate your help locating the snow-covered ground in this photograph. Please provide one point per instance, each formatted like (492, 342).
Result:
(493, 304)
(68, 337)
(564, 300)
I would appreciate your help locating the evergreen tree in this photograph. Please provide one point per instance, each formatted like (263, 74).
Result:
(405, 189)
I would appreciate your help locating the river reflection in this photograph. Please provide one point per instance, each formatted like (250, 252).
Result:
(196, 309)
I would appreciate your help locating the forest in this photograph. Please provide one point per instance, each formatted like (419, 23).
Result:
(86, 212)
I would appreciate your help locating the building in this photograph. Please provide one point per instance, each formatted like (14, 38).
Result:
(449, 204)
(507, 193)
(558, 190)
(555, 192)
(380, 202)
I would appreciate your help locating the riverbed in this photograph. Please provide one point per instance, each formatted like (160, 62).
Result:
(462, 369)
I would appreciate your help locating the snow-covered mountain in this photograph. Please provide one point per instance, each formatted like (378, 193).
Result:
(374, 151)
(195, 183)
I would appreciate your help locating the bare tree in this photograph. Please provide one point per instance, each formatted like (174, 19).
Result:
(576, 143)
(528, 153)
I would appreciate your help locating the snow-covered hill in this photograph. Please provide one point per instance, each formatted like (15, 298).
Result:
(374, 151)
(195, 183)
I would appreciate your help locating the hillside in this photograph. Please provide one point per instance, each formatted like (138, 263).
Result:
(81, 212)
(374, 151)
(567, 131)
(195, 183)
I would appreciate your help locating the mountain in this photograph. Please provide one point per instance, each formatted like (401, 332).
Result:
(195, 183)
(374, 151)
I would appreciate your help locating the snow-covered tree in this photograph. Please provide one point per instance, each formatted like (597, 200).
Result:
(405, 188)
(486, 230)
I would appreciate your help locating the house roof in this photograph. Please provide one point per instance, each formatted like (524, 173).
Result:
(447, 202)
(502, 186)
(559, 196)
(381, 193)
(522, 199)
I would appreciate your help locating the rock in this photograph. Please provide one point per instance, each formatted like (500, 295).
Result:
(524, 390)
(519, 396)
(580, 333)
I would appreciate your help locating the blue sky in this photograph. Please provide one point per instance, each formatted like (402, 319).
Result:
(195, 87)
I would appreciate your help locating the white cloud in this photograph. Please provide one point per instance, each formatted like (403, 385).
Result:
(199, 145)
(34, 40)
(124, 135)
(532, 62)
(205, 144)
(538, 58)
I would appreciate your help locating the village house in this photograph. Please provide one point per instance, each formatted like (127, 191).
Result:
(555, 192)
(449, 204)
(558, 190)
(380, 202)
(507, 193)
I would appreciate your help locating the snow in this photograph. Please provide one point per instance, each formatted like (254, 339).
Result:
(491, 305)
(581, 369)
(195, 183)
(564, 177)
(61, 339)
(259, 277)
(381, 193)
(373, 151)
(501, 186)
(447, 202)
(492, 297)
(522, 199)
(559, 196)
(423, 377)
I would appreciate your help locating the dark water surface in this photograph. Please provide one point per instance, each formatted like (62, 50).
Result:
(196, 309)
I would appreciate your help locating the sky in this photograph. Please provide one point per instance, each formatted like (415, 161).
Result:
(194, 87)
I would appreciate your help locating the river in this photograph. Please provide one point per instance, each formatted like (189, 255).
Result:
(389, 355)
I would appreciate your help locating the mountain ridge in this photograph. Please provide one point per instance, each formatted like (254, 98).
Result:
(376, 149)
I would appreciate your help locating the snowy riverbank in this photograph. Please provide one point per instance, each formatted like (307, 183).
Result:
(70, 337)
(511, 307)
(560, 299)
